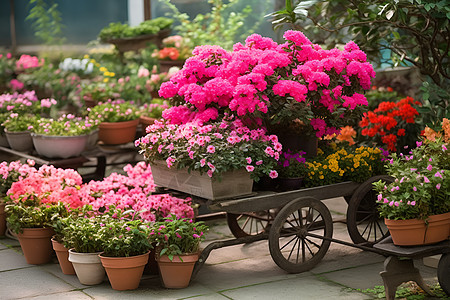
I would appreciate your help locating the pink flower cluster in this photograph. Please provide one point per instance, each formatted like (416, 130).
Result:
(49, 185)
(25, 102)
(212, 148)
(255, 79)
(134, 191)
(27, 61)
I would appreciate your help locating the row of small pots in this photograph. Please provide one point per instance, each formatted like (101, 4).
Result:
(70, 146)
(124, 273)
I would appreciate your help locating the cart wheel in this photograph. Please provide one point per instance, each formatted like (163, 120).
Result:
(364, 224)
(296, 237)
(443, 273)
(250, 223)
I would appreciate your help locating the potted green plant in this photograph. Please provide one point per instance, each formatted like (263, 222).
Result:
(64, 137)
(152, 111)
(416, 205)
(178, 247)
(80, 236)
(32, 222)
(18, 131)
(126, 247)
(224, 158)
(174, 52)
(62, 253)
(128, 38)
(35, 201)
(118, 121)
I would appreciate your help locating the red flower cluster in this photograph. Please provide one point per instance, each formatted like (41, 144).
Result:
(388, 119)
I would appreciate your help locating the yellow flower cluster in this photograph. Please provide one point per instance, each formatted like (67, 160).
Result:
(342, 165)
(107, 74)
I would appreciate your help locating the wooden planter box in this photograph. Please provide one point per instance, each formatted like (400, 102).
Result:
(233, 184)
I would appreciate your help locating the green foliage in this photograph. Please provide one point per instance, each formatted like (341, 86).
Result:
(124, 237)
(414, 31)
(421, 187)
(408, 291)
(175, 237)
(20, 122)
(436, 104)
(31, 215)
(114, 111)
(223, 26)
(46, 20)
(119, 30)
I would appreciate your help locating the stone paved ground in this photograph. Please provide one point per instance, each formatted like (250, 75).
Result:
(237, 272)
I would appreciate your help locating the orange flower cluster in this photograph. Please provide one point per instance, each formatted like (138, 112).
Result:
(432, 135)
(386, 121)
(168, 53)
(347, 134)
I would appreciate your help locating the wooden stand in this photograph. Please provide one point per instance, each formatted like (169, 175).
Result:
(399, 265)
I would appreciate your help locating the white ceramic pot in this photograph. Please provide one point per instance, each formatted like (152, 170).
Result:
(88, 267)
(59, 146)
(19, 141)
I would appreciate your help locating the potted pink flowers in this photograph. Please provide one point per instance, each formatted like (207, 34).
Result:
(296, 87)
(228, 154)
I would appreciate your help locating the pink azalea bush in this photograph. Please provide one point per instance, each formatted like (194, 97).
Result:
(271, 85)
(12, 172)
(212, 149)
(134, 191)
(46, 186)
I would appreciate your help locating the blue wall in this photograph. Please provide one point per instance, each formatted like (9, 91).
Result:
(82, 19)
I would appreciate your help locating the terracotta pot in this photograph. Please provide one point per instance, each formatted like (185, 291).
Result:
(118, 132)
(415, 232)
(20, 141)
(145, 122)
(176, 274)
(59, 146)
(88, 267)
(2, 218)
(36, 245)
(124, 273)
(62, 253)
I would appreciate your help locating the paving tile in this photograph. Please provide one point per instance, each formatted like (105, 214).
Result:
(11, 259)
(148, 289)
(242, 273)
(215, 296)
(294, 288)
(9, 242)
(30, 282)
(75, 295)
(362, 277)
(2, 247)
(55, 269)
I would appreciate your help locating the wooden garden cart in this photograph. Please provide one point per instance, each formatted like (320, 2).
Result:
(299, 227)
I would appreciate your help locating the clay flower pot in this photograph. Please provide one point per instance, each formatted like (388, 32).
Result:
(36, 245)
(88, 267)
(116, 133)
(416, 232)
(62, 253)
(145, 122)
(176, 274)
(124, 273)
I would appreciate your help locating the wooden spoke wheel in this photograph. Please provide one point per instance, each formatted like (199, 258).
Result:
(296, 236)
(364, 224)
(443, 273)
(250, 223)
